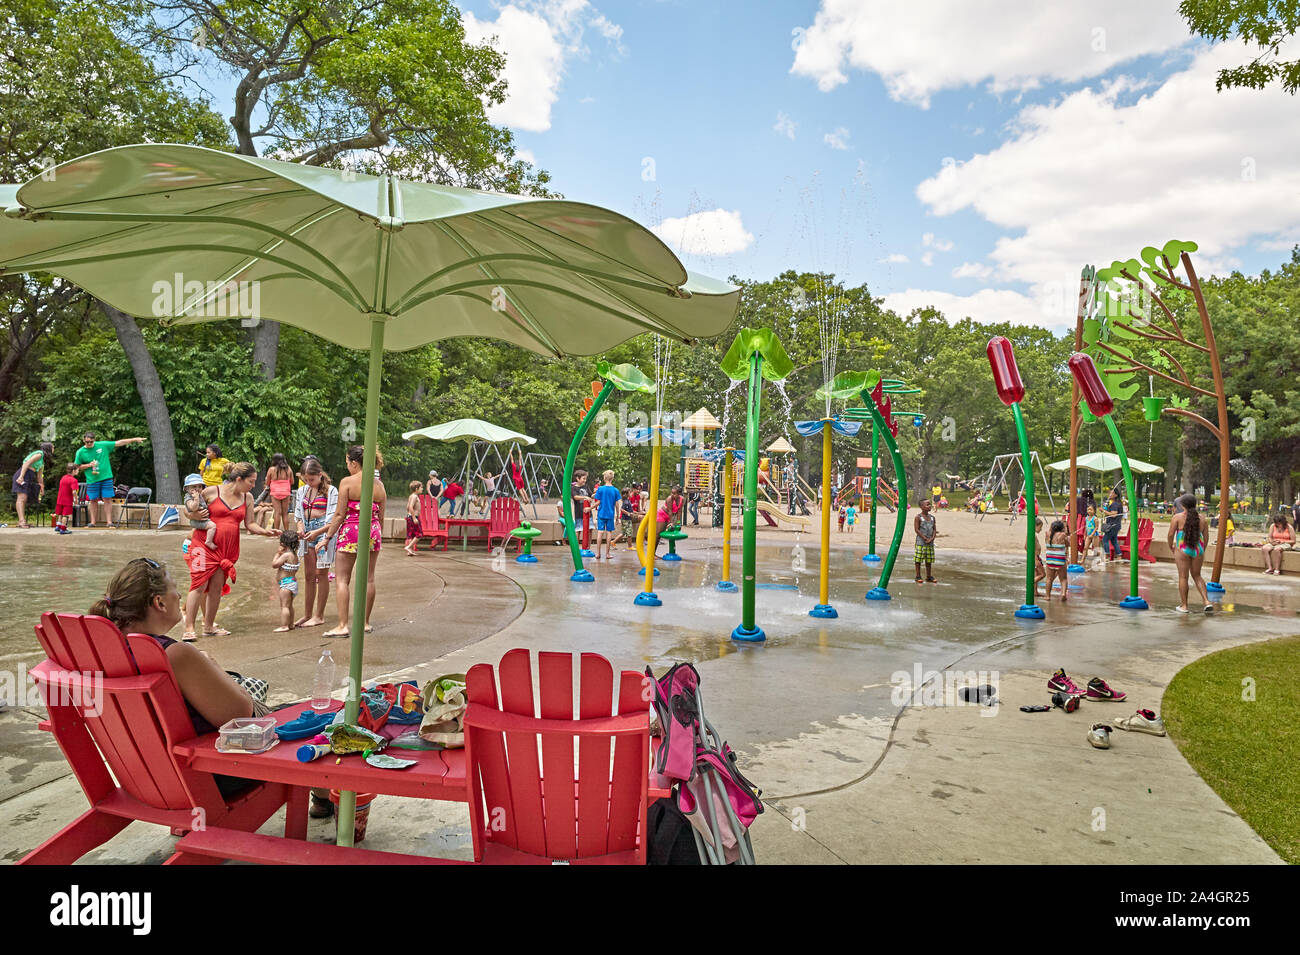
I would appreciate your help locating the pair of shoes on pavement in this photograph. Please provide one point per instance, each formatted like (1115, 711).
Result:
(1098, 689)
(1143, 721)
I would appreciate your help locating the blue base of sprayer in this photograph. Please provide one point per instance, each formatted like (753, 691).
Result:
(878, 593)
(727, 587)
(1030, 612)
(526, 559)
(644, 599)
(587, 553)
(641, 572)
(670, 557)
(1133, 603)
(870, 559)
(1076, 569)
(582, 577)
(823, 610)
(1214, 588)
(748, 636)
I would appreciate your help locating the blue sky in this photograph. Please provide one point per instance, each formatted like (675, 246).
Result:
(973, 160)
(970, 156)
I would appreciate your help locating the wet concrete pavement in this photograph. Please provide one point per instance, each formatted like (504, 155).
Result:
(825, 713)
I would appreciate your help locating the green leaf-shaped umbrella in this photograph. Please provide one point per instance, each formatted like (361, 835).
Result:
(470, 430)
(186, 234)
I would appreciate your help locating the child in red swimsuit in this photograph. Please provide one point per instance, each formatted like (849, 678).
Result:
(63, 504)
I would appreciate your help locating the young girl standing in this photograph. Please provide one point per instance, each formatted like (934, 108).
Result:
(1090, 537)
(1058, 541)
(285, 562)
(279, 486)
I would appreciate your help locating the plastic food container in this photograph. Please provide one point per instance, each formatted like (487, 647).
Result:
(248, 734)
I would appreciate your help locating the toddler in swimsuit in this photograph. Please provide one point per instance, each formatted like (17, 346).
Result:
(194, 500)
(286, 562)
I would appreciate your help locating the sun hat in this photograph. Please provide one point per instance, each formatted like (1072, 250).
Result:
(191, 479)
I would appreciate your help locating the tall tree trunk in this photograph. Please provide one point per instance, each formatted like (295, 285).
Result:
(266, 346)
(167, 485)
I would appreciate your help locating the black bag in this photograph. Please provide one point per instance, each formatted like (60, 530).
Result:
(671, 840)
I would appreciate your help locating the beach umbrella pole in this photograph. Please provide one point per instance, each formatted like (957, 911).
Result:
(824, 608)
(352, 705)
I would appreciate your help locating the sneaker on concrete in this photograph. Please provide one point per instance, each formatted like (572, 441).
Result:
(1099, 735)
(1143, 721)
(1065, 701)
(1062, 683)
(1099, 689)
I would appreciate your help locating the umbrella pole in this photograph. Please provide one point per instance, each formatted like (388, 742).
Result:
(361, 574)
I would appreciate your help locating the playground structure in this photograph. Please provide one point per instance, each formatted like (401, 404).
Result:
(1101, 404)
(999, 478)
(540, 467)
(1011, 391)
(483, 440)
(1109, 329)
(624, 377)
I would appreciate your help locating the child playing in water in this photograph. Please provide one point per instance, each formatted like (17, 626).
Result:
(843, 517)
(607, 498)
(1054, 557)
(67, 495)
(286, 562)
(1090, 537)
(194, 500)
(413, 518)
(927, 528)
(851, 517)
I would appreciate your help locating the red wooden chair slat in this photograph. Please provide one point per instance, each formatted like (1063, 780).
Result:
(628, 786)
(485, 764)
(515, 683)
(555, 684)
(597, 700)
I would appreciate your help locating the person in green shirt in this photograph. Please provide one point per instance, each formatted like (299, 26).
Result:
(29, 481)
(92, 456)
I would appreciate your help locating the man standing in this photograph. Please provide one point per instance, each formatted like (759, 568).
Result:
(93, 456)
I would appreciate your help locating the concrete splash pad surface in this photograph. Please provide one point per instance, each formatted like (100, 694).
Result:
(814, 710)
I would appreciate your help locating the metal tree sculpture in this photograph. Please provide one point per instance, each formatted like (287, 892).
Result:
(1116, 332)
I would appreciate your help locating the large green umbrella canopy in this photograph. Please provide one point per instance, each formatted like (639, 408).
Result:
(1104, 461)
(469, 429)
(186, 234)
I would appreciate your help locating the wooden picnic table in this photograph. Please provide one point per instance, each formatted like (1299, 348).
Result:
(467, 522)
(437, 774)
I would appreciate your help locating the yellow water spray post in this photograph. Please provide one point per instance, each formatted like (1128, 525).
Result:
(725, 584)
(648, 597)
(824, 608)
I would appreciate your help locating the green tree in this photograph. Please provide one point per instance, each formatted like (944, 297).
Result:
(1266, 24)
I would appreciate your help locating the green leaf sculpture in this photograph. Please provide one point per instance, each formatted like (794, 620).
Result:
(849, 384)
(626, 377)
(777, 365)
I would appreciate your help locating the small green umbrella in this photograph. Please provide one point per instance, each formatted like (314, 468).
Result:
(1104, 461)
(469, 429)
(186, 234)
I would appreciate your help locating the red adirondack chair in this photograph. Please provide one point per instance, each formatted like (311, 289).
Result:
(114, 704)
(502, 519)
(591, 811)
(1146, 530)
(431, 528)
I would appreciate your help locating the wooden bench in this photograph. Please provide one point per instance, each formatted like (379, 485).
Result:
(202, 847)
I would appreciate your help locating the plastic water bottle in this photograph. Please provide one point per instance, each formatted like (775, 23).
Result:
(324, 685)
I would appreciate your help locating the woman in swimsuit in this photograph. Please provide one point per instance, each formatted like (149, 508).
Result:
(314, 507)
(212, 571)
(347, 524)
(1187, 537)
(279, 485)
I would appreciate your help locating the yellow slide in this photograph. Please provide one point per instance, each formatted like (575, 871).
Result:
(775, 515)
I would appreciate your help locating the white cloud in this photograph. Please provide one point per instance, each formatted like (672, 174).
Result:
(526, 155)
(716, 232)
(939, 245)
(1086, 179)
(985, 306)
(895, 258)
(538, 38)
(838, 139)
(919, 49)
(927, 258)
(972, 270)
(785, 126)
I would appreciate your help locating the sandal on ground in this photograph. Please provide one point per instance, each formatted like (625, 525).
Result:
(918, 580)
(1180, 610)
(931, 580)
(1209, 608)
(219, 632)
(189, 636)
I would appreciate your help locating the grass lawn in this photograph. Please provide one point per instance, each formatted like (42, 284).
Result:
(1248, 751)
